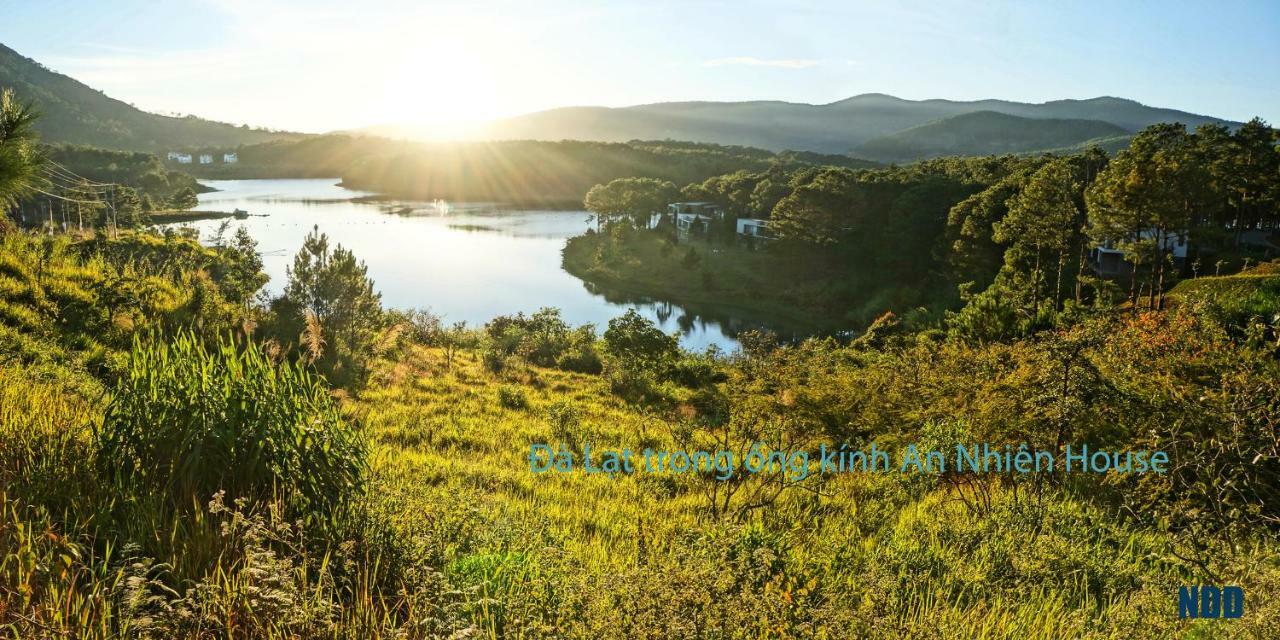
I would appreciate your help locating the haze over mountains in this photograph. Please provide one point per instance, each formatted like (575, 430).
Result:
(873, 126)
(75, 113)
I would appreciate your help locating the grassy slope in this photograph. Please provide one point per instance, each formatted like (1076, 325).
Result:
(634, 556)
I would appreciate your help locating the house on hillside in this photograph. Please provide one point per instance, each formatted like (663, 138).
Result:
(230, 158)
(754, 229)
(694, 217)
(706, 209)
(182, 158)
(687, 223)
(1108, 260)
(206, 158)
(1265, 240)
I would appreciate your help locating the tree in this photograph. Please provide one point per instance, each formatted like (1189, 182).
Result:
(636, 199)
(129, 208)
(20, 160)
(1146, 198)
(184, 199)
(1042, 228)
(240, 275)
(823, 211)
(637, 344)
(1252, 176)
(333, 287)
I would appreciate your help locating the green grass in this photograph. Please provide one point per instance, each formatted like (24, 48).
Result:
(454, 535)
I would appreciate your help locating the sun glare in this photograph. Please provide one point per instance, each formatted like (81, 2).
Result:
(443, 87)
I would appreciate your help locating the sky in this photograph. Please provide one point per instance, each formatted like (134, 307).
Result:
(317, 65)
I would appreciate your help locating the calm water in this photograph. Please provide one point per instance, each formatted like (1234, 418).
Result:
(471, 262)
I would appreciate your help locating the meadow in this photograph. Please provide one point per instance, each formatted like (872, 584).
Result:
(172, 469)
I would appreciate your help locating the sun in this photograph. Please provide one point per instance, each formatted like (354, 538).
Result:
(445, 86)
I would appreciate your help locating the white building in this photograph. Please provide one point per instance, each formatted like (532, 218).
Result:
(174, 155)
(182, 158)
(206, 158)
(692, 222)
(1109, 260)
(754, 228)
(230, 158)
(706, 209)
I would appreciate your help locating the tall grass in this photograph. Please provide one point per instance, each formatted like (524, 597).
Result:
(188, 419)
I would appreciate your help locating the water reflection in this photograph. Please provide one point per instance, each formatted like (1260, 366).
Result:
(464, 261)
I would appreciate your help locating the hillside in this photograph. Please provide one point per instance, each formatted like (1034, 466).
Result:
(984, 133)
(530, 172)
(838, 127)
(75, 113)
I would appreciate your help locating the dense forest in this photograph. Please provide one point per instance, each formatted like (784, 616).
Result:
(555, 174)
(1013, 237)
(183, 456)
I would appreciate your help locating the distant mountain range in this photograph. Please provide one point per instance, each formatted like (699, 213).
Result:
(873, 126)
(73, 112)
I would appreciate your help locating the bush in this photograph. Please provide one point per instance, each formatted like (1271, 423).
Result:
(543, 339)
(186, 421)
(691, 258)
(565, 419)
(494, 360)
(695, 371)
(512, 397)
(637, 344)
(581, 355)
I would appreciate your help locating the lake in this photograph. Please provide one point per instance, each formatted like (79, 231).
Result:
(462, 261)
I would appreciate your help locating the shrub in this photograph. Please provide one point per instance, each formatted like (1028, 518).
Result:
(695, 371)
(494, 360)
(543, 339)
(691, 258)
(512, 397)
(565, 419)
(187, 420)
(637, 344)
(581, 355)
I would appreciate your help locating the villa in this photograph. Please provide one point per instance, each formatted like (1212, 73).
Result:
(1108, 260)
(704, 209)
(754, 229)
(692, 222)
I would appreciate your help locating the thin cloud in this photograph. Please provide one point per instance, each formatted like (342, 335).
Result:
(750, 61)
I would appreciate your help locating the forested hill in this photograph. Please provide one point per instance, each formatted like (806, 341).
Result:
(72, 112)
(519, 171)
(838, 127)
(986, 133)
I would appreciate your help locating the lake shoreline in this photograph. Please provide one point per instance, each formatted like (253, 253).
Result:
(464, 261)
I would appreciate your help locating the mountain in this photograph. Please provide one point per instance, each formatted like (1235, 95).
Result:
(839, 127)
(72, 112)
(985, 133)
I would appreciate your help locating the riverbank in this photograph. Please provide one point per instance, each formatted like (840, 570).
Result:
(169, 217)
(801, 295)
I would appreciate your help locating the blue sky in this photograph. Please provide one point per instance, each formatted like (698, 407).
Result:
(318, 65)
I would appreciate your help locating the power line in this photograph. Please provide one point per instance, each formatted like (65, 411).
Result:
(77, 176)
(65, 199)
